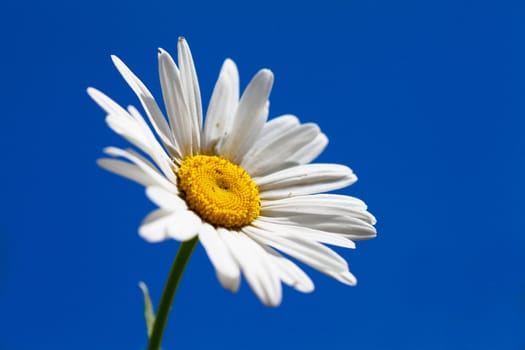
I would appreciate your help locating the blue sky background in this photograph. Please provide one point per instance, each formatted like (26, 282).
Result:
(425, 100)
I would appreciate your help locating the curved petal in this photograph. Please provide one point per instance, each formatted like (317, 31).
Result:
(133, 131)
(150, 106)
(309, 256)
(165, 199)
(127, 128)
(311, 150)
(294, 150)
(256, 266)
(277, 154)
(345, 277)
(153, 148)
(292, 229)
(351, 228)
(143, 164)
(304, 179)
(274, 128)
(320, 204)
(249, 118)
(106, 103)
(128, 170)
(191, 89)
(131, 126)
(184, 225)
(308, 251)
(289, 272)
(222, 106)
(153, 227)
(162, 224)
(346, 226)
(226, 267)
(178, 111)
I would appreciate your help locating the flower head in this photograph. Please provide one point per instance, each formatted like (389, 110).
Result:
(239, 182)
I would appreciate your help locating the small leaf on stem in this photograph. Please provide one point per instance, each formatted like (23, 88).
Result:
(149, 315)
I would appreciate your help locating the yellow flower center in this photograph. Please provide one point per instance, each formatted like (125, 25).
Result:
(220, 192)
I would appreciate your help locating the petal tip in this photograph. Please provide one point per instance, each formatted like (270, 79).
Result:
(349, 279)
(267, 74)
(273, 303)
(231, 283)
(149, 237)
(121, 66)
(229, 64)
(95, 93)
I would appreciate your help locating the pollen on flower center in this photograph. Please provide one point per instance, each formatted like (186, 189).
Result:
(220, 192)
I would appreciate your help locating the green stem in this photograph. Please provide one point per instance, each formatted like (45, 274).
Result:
(183, 255)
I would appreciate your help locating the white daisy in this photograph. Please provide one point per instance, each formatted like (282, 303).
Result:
(240, 183)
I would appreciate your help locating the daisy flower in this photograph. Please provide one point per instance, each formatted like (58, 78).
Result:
(240, 183)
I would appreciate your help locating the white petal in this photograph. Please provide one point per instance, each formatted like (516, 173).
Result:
(156, 152)
(275, 225)
(275, 127)
(128, 129)
(162, 224)
(143, 164)
(153, 227)
(133, 128)
(278, 153)
(250, 117)
(330, 200)
(321, 204)
(176, 104)
(256, 266)
(311, 150)
(289, 272)
(225, 265)
(342, 275)
(222, 106)
(165, 199)
(184, 225)
(308, 251)
(298, 152)
(346, 226)
(305, 179)
(127, 170)
(150, 106)
(106, 103)
(191, 90)
(138, 133)
(345, 277)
